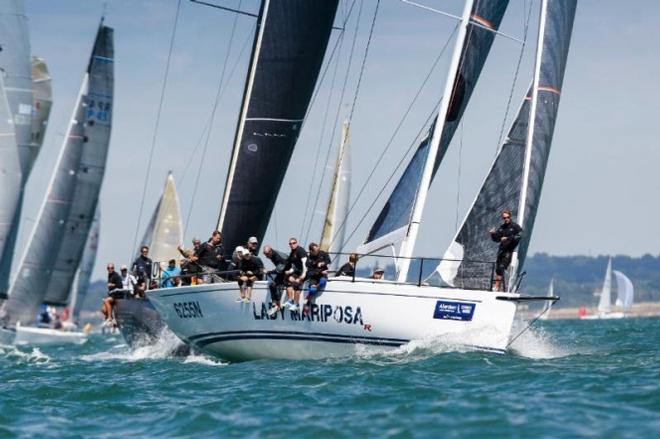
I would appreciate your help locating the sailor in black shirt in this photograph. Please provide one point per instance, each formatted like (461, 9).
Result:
(296, 270)
(348, 269)
(276, 280)
(114, 283)
(211, 257)
(508, 236)
(251, 268)
(142, 266)
(318, 264)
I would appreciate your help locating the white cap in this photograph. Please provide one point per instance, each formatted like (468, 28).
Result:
(253, 240)
(245, 252)
(239, 249)
(123, 267)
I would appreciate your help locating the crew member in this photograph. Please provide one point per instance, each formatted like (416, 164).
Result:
(128, 281)
(142, 265)
(508, 236)
(114, 283)
(296, 270)
(251, 268)
(318, 264)
(348, 269)
(171, 276)
(211, 257)
(276, 278)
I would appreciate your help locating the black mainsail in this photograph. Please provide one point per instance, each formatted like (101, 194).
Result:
(289, 47)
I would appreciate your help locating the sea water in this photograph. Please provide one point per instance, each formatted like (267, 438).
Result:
(562, 378)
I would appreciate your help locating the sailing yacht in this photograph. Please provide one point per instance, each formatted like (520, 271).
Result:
(354, 311)
(138, 321)
(48, 268)
(625, 293)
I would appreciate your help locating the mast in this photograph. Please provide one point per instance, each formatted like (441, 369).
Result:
(408, 243)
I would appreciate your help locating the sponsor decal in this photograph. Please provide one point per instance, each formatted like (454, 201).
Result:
(445, 310)
(349, 315)
(188, 310)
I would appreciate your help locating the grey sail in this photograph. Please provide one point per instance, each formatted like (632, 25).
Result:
(10, 169)
(559, 16)
(516, 176)
(57, 241)
(165, 231)
(84, 273)
(393, 221)
(98, 103)
(466, 263)
(15, 68)
(289, 47)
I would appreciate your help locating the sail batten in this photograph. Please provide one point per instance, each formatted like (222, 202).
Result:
(288, 51)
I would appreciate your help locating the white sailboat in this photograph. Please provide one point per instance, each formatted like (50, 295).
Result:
(355, 312)
(625, 296)
(55, 247)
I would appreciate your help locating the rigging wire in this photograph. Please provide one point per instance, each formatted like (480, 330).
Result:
(156, 125)
(321, 137)
(393, 136)
(343, 92)
(213, 111)
(515, 75)
(458, 175)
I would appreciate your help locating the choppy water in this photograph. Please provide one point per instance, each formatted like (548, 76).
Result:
(566, 378)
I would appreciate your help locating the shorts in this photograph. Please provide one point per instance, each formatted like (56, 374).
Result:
(248, 281)
(295, 285)
(503, 262)
(316, 286)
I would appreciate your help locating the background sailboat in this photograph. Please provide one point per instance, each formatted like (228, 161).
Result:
(47, 270)
(333, 236)
(17, 88)
(625, 296)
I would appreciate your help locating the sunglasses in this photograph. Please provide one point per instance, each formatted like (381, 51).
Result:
(293, 243)
(506, 217)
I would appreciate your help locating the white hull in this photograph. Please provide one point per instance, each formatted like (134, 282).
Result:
(7, 336)
(346, 316)
(607, 316)
(28, 335)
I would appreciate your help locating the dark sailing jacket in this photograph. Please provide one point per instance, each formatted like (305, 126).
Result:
(513, 233)
(210, 255)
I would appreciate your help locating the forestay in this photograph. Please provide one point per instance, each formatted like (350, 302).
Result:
(60, 232)
(289, 46)
(333, 236)
(394, 220)
(165, 232)
(15, 67)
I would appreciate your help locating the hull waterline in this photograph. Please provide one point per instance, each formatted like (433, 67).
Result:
(32, 336)
(347, 317)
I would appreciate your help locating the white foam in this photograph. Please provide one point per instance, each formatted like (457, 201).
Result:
(202, 359)
(32, 356)
(537, 343)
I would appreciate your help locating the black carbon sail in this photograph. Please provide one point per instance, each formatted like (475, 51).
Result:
(289, 46)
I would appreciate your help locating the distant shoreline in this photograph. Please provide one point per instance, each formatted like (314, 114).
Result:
(642, 309)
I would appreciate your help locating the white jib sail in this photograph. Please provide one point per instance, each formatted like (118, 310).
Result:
(605, 302)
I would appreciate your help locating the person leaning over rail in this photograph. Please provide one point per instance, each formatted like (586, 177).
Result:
(276, 278)
(296, 271)
(508, 236)
(251, 268)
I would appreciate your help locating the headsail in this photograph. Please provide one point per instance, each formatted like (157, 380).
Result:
(15, 67)
(165, 232)
(624, 290)
(556, 27)
(605, 301)
(335, 217)
(516, 176)
(465, 264)
(288, 51)
(60, 232)
(84, 273)
(472, 47)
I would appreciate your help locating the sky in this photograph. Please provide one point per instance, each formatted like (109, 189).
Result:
(600, 194)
